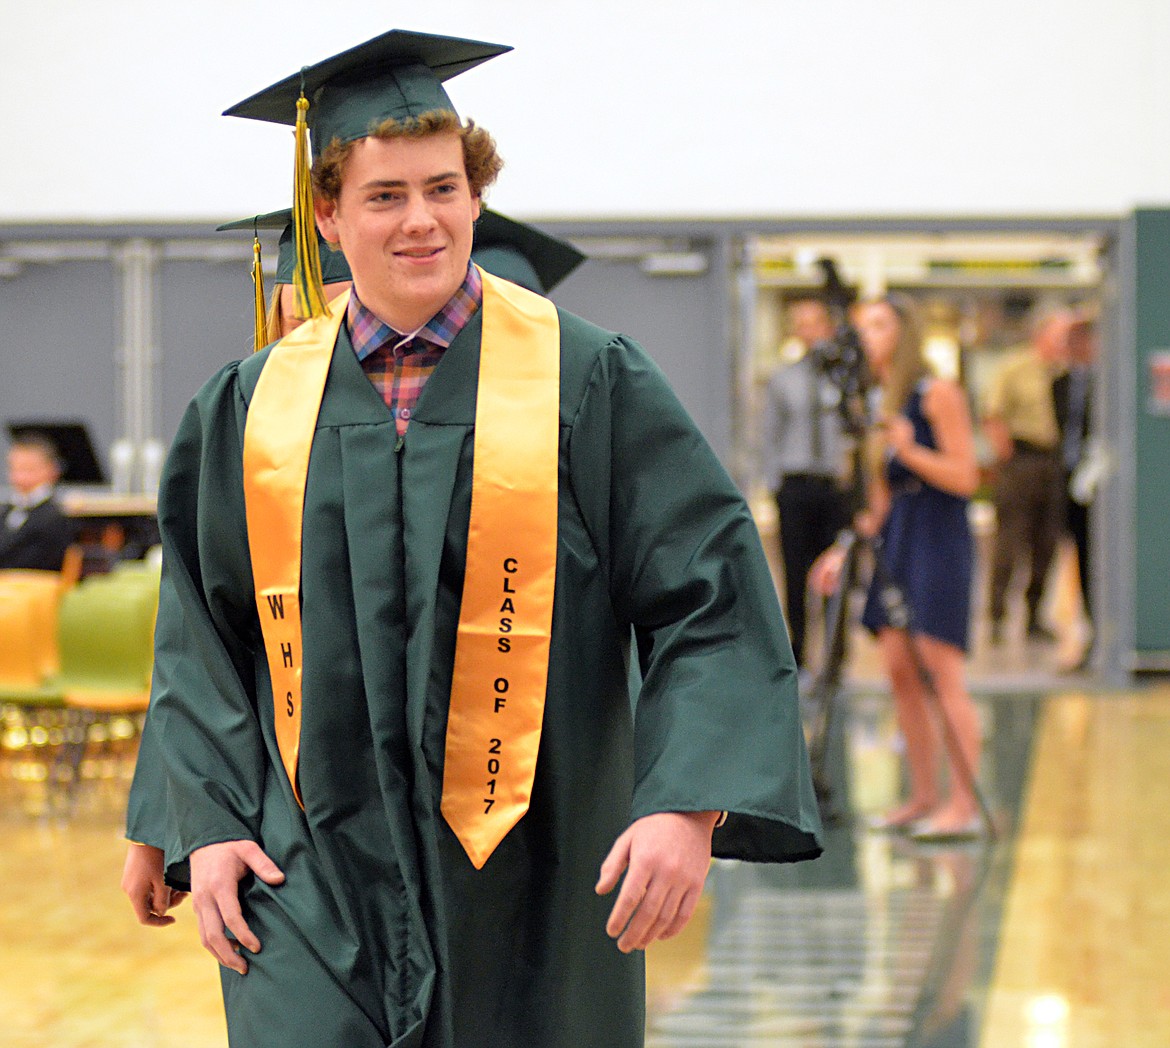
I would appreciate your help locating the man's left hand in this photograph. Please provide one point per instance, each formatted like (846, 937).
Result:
(666, 857)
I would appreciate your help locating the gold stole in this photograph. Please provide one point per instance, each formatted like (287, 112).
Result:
(505, 621)
(277, 439)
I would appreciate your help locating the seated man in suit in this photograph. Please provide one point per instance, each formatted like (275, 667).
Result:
(35, 533)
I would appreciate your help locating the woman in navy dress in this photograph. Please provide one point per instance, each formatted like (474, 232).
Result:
(918, 493)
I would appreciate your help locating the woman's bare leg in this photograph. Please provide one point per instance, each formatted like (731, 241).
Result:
(917, 725)
(963, 743)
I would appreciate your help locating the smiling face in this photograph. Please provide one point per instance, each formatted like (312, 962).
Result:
(404, 218)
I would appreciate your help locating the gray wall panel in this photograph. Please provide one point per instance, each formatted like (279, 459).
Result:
(205, 321)
(58, 339)
(677, 319)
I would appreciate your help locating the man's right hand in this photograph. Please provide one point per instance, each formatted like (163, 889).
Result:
(216, 872)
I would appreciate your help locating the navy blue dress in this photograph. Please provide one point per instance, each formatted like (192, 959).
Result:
(925, 547)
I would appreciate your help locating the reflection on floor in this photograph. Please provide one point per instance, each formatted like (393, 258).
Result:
(875, 945)
(815, 967)
(1052, 937)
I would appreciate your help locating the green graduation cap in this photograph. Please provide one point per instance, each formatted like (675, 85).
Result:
(334, 268)
(522, 253)
(397, 75)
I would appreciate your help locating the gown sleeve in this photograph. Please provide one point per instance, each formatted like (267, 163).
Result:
(203, 714)
(146, 810)
(717, 723)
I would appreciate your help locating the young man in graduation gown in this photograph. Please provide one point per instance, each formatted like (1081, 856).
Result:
(391, 693)
(502, 246)
(514, 250)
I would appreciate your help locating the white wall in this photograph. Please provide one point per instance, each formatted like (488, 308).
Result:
(612, 108)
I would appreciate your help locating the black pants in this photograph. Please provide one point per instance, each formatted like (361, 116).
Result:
(812, 510)
(1077, 521)
(1029, 507)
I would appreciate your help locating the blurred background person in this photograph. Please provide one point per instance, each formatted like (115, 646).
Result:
(35, 532)
(1072, 394)
(804, 450)
(922, 473)
(1021, 427)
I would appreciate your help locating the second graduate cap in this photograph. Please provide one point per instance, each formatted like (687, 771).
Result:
(522, 253)
(397, 75)
(334, 268)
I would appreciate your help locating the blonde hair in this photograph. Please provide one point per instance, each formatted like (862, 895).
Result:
(908, 365)
(907, 368)
(273, 321)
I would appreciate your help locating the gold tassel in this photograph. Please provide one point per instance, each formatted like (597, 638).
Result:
(310, 293)
(260, 336)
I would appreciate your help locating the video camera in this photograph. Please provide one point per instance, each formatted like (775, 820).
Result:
(842, 359)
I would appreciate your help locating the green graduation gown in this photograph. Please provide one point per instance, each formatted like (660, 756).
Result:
(383, 933)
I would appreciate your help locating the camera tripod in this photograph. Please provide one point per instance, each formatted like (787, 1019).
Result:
(825, 693)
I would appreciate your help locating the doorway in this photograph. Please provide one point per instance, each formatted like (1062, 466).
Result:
(975, 289)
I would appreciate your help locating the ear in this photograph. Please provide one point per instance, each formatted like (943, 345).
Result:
(475, 207)
(326, 214)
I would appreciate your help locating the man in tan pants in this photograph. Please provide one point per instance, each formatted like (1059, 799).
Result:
(1020, 421)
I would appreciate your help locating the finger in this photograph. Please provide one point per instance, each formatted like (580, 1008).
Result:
(628, 900)
(143, 898)
(211, 935)
(682, 918)
(158, 920)
(259, 863)
(140, 903)
(233, 918)
(614, 864)
(652, 917)
(177, 898)
(160, 898)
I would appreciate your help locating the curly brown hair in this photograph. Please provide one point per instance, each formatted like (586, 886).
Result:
(480, 158)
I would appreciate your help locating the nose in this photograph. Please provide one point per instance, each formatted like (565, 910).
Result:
(418, 219)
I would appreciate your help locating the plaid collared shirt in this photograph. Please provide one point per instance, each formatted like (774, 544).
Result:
(399, 365)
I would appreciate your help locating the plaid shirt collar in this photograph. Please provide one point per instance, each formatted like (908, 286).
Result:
(368, 333)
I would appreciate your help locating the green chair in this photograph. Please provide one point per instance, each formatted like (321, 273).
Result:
(105, 636)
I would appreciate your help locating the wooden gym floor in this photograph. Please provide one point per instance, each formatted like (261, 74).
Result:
(1051, 937)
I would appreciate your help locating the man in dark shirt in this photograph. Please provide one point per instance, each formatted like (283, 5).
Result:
(805, 451)
(35, 533)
